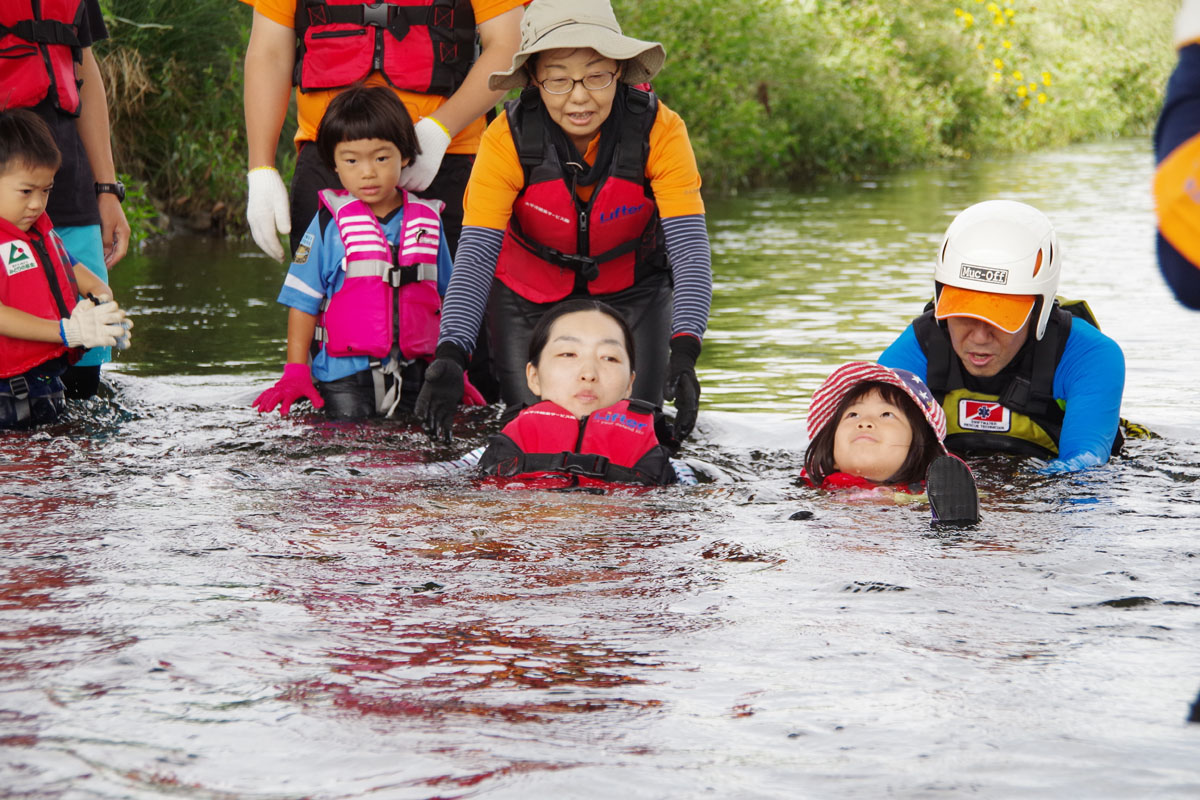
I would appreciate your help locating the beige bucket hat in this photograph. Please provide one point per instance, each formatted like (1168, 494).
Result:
(570, 24)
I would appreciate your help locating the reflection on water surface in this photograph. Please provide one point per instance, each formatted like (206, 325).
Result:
(199, 602)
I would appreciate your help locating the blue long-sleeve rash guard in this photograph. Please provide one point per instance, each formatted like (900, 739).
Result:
(1090, 378)
(319, 274)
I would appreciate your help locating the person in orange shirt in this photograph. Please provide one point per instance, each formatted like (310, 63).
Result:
(585, 187)
(424, 50)
(1177, 149)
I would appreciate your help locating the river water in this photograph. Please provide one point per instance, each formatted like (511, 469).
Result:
(199, 602)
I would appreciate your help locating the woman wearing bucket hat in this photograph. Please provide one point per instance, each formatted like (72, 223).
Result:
(870, 426)
(585, 187)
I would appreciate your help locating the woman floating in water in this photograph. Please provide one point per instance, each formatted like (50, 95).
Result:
(870, 426)
(584, 431)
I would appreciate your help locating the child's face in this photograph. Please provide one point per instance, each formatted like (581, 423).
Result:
(584, 366)
(872, 438)
(370, 170)
(23, 193)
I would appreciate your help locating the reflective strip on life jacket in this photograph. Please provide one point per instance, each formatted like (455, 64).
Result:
(39, 47)
(612, 241)
(35, 277)
(360, 318)
(422, 46)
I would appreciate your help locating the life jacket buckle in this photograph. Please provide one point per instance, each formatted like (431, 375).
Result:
(584, 265)
(18, 386)
(375, 14)
(588, 464)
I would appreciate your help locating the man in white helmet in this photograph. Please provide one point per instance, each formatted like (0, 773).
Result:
(1014, 372)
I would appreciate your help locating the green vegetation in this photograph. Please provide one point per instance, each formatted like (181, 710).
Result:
(773, 91)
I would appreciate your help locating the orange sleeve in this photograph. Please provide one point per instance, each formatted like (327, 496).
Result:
(671, 167)
(487, 9)
(496, 179)
(280, 11)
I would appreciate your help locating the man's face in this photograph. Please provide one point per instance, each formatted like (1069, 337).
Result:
(983, 348)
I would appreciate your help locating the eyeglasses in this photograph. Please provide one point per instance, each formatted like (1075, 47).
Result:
(593, 82)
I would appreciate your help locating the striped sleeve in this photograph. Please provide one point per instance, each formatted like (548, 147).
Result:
(467, 296)
(691, 267)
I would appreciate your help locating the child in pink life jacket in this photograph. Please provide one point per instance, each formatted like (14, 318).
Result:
(369, 274)
(870, 426)
(44, 325)
(584, 432)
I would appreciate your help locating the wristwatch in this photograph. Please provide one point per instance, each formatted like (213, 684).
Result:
(117, 188)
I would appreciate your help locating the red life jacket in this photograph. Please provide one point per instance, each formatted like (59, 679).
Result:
(39, 47)
(35, 277)
(547, 447)
(613, 241)
(844, 480)
(423, 46)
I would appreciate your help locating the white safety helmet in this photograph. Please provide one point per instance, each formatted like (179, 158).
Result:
(998, 258)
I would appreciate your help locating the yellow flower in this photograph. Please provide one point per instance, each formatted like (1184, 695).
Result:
(1032, 87)
(968, 20)
(1017, 76)
(1022, 91)
(992, 7)
(998, 21)
(997, 77)
(1046, 78)
(958, 12)
(997, 63)
(1006, 44)
(1025, 103)
(1042, 97)
(1008, 12)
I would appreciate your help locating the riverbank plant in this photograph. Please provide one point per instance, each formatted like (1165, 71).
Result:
(773, 91)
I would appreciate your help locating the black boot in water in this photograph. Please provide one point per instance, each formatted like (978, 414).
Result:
(952, 493)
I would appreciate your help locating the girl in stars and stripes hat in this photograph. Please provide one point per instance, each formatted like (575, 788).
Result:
(869, 425)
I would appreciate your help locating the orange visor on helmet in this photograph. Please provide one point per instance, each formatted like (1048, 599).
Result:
(1008, 312)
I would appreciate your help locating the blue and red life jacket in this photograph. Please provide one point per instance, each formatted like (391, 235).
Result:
(610, 242)
(35, 277)
(547, 447)
(39, 48)
(422, 46)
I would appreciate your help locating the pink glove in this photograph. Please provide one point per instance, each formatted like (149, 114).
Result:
(295, 383)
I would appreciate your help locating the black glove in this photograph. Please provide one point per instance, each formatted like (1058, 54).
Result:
(682, 386)
(442, 391)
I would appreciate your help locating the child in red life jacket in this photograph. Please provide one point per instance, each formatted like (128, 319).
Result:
(44, 327)
(870, 426)
(584, 432)
(369, 274)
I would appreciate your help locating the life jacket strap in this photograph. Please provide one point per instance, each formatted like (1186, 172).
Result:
(44, 31)
(18, 390)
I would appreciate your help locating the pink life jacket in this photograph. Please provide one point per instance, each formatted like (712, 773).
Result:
(359, 319)
(546, 447)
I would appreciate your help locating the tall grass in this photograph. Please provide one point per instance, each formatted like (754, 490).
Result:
(773, 91)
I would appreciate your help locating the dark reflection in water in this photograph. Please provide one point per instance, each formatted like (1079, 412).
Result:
(199, 602)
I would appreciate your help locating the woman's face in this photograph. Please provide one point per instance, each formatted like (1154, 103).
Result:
(580, 112)
(872, 438)
(584, 366)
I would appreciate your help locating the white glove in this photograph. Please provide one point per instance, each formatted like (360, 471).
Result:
(93, 325)
(267, 209)
(1187, 24)
(434, 140)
